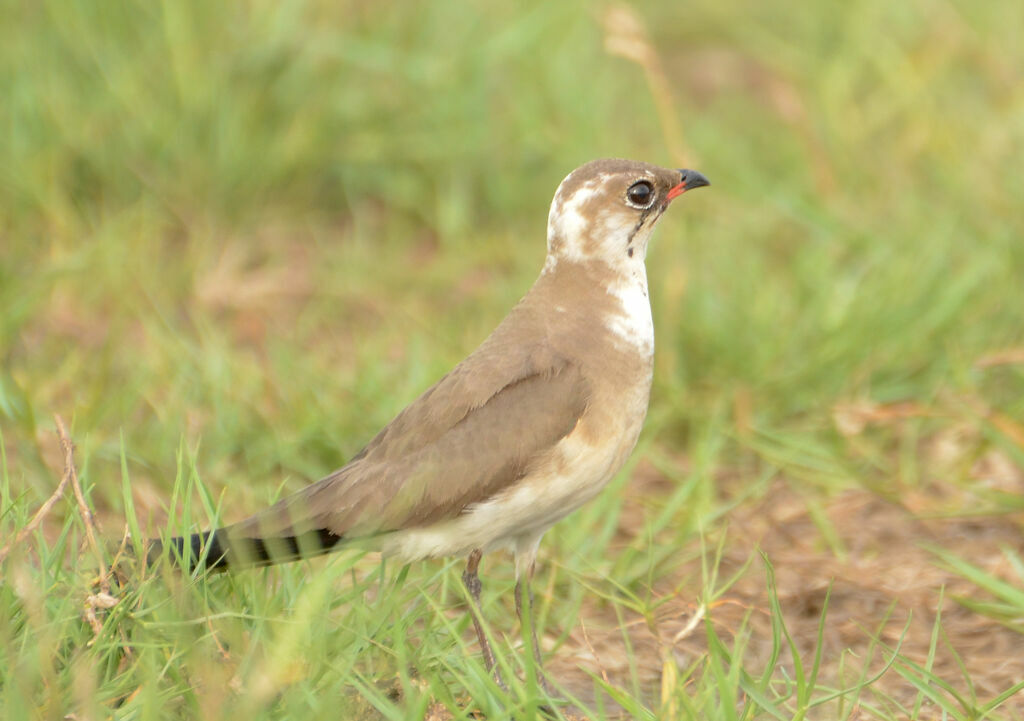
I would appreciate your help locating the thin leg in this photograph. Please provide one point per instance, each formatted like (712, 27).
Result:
(539, 664)
(473, 585)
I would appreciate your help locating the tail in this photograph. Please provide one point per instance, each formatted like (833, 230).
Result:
(221, 551)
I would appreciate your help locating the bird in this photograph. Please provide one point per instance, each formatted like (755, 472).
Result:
(525, 430)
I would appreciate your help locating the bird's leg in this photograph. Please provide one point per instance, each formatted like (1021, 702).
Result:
(539, 665)
(472, 583)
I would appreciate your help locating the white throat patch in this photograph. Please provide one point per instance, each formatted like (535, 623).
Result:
(633, 324)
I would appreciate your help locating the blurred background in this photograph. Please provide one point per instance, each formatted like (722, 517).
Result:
(252, 222)
(247, 234)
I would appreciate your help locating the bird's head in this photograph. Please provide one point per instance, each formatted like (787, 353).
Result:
(605, 210)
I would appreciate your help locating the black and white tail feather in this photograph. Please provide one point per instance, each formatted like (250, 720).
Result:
(213, 551)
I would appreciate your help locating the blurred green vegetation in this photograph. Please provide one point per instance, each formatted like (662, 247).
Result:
(254, 231)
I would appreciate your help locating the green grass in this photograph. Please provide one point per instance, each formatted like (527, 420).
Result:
(236, 239)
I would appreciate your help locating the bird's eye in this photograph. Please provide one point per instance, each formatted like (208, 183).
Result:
(640, 194)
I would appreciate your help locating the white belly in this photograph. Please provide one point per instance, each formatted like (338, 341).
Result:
(521, 514)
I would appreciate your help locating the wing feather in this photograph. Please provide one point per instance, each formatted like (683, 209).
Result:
(469, 436)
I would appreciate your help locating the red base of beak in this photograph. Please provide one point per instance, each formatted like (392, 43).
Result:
(676, 191)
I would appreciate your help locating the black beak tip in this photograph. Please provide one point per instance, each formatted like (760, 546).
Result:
(692, 179)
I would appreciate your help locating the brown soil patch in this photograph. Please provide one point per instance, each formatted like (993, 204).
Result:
(883, 579)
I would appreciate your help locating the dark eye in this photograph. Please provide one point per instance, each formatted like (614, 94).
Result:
(640, 194)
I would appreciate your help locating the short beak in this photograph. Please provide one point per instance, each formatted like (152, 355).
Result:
(689, 179)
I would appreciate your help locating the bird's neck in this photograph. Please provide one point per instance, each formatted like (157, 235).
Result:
(608, 272)
(615, 298)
